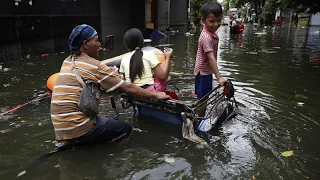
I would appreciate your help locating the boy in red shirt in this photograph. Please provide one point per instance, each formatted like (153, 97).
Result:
(206, 60)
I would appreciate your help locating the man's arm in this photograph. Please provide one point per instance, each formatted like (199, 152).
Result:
(110, 81)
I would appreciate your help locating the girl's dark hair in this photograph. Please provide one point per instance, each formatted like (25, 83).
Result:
(133, 39)
(211, 7)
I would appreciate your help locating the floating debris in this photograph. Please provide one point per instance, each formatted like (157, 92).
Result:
(6, 85)
(260, 33)
(287, 153)
(188, 34)
(22, 173)
(300, 96)
(44, 55)
(271, 52)
(56, 166)
(137, 129)
(5, 130)
(176, 73)
(300, 104)
(252, 53)
(169, 159)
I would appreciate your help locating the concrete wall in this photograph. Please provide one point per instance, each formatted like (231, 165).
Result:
(315, 19)
(178, 12)
(118, 16)
(162, 14)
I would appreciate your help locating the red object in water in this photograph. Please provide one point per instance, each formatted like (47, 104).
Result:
(172, 94)
(240, 27)
(45, 55)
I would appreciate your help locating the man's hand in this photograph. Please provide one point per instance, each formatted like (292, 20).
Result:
(162, 96)
(222, 80)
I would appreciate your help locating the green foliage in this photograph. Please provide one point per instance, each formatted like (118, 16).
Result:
(195, 10)
(269, 7)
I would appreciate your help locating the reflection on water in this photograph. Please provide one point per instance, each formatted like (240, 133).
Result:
(274, 70)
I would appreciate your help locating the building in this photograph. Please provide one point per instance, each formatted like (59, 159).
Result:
(42, 26)
(314, 19)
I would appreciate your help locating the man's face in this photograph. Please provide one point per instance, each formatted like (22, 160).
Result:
(92, 46)
(212, 22)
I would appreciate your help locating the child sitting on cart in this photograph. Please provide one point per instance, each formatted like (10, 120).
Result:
(142, 68)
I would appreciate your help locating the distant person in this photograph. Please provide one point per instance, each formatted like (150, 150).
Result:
(206, 59)
(296, 19)
(71, 125)
(142, 68)
(240, 26)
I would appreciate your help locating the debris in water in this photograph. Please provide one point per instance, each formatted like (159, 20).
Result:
(22, 173)
(137, 129)
(44, 55)
(4, 109)
(300, 96)
(253, 178)
(258, 33)
(48, 141)
(199, 146)
(56, 166)
(169, 159)
(176, 73)
(188, 34)
(252, 53)
(6, 85)
(287, 153)
(5, 130)
(300, 104)
(6, 69)
(40, 124)
(15, 79)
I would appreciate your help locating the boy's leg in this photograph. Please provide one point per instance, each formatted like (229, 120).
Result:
(203, 86)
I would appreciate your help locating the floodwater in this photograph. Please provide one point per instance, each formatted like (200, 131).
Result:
(275, 72)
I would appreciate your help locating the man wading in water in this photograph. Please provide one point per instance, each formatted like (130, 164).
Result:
(71, 125)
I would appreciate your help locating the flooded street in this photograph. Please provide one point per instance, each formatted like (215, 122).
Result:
(275, 72)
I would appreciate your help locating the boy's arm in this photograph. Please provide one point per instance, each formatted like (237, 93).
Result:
(214, 66)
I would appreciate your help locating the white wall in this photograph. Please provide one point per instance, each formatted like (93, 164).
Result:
(315, 19)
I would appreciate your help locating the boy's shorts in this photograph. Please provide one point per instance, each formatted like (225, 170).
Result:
(203, 85)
